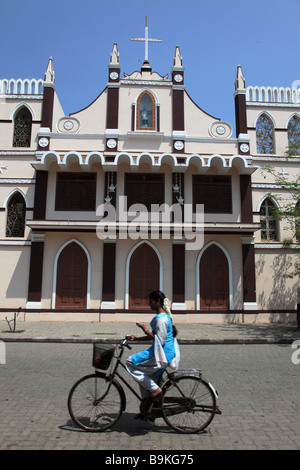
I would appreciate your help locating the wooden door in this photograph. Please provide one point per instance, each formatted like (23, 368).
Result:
(143, 276)
(71, 285)
(214, 281)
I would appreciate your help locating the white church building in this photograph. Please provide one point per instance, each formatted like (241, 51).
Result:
(71, 248)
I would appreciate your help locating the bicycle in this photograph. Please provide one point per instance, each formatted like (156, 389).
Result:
(97, 401)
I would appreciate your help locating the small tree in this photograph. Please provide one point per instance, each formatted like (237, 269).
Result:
(290, 210)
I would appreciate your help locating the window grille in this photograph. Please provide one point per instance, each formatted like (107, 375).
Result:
(144, 188)
(16, 210)
(22, 128)
(75, 192)
(268, 221)
(214, 192)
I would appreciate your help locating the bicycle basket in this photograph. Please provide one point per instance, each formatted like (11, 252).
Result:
(102, 356)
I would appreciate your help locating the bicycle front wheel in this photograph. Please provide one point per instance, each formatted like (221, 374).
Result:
(95, 404)
(188, 404)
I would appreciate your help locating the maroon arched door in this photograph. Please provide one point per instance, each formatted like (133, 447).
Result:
(143, 276)
(71, 283)
(214, 280)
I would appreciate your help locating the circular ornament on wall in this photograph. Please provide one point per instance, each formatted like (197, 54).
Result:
(68, 124)
(220, 130)
(178, 145)
(113, 75)
(178, 78)
(43, 142)
(244, 148)
(111, 143)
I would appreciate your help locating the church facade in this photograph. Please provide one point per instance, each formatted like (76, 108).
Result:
(143, 190)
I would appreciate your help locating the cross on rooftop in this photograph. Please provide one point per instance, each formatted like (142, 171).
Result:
(146, 40)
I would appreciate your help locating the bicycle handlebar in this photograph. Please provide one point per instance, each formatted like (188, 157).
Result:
(124, 342)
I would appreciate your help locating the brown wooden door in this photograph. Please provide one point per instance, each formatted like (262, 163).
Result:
(143, 276)
(214, 283)
(71, 285)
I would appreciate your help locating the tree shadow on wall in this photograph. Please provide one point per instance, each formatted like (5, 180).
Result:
(284, 292)
(17, 287)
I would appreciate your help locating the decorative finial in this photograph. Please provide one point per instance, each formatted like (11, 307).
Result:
(240, 80)
(114, 55)
(177, 57)
(49, 75)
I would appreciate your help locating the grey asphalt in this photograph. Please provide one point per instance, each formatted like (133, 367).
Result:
(258, 387)
(196, 333)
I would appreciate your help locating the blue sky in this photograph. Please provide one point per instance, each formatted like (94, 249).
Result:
(214, 37)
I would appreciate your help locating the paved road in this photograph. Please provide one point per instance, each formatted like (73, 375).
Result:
(258, 385)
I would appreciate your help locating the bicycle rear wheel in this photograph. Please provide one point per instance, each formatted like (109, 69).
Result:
(188, 404)
(95, 404)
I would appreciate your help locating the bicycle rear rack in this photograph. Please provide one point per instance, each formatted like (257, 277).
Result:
(193, 372)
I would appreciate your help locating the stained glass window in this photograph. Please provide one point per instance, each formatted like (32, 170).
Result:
(294, 135)
(264, 135)
(145, 112)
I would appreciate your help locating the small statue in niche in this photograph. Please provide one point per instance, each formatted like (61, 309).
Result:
(145, 118)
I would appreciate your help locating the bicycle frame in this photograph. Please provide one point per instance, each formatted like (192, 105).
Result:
(180, 396)
(170, 376)
(115, 372)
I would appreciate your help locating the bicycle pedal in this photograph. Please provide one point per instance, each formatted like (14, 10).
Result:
(151, 418)
(145, 406)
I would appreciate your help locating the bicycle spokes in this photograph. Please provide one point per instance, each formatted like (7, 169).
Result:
(188, 405)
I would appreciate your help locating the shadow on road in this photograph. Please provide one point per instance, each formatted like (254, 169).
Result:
(129, 425)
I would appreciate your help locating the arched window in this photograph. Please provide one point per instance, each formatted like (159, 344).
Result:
(264, 135)
(22, 128)
(294, 135)
(145, 115)
(268, 221)
(16, 210)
